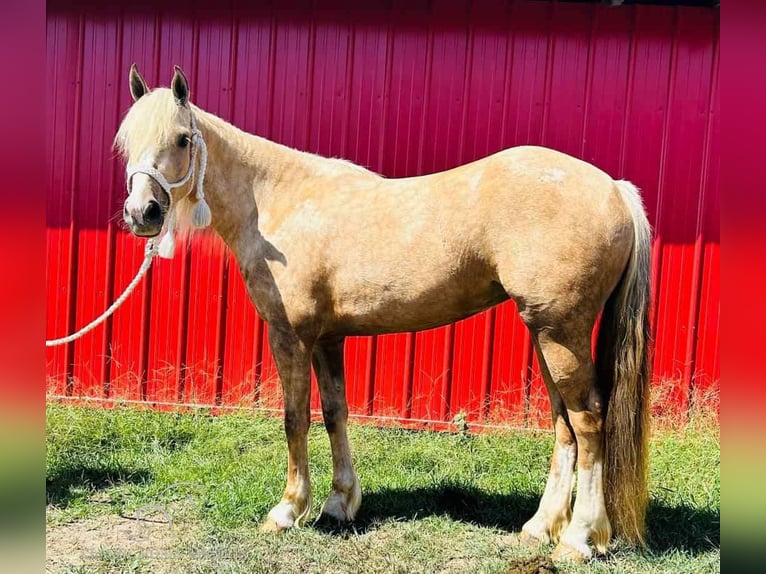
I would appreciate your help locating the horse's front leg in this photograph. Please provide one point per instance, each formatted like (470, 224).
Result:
(293, 360)
(346, 495)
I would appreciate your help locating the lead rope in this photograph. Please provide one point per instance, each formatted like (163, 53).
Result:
(149, 253)
(201, 217)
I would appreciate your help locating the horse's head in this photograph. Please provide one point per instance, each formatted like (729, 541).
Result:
(160, 142)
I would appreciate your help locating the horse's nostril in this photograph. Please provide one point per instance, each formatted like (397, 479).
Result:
(152, 213)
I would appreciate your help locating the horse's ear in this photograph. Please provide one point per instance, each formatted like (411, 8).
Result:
(180, 87)
(138, 86)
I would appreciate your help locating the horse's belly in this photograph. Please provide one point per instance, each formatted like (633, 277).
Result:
(392, 312)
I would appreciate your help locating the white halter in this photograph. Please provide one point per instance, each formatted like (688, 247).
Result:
(201, 216)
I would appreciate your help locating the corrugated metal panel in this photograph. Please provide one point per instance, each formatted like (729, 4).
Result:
(404, 88)
(63, 63)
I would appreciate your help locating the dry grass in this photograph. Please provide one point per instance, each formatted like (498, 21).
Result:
(703, 405)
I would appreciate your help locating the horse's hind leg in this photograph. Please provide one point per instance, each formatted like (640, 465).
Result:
(554, 512)
(346, 496)
(567, 353)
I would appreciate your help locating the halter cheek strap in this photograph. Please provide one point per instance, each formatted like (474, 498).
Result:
(201, 216)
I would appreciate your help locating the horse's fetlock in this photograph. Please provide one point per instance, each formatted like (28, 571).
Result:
(345, 482)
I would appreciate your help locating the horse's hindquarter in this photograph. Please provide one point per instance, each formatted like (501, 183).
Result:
(373, 255)
(561, 235)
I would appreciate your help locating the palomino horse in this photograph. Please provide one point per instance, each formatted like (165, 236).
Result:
(329, 249)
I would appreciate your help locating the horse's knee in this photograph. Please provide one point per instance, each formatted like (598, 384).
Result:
(296, 423)
(333, 414)
(282, 340)
(330, 425)
(330, 416)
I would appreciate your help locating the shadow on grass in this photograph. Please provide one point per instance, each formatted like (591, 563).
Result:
(71, 483)
(680, 528)
(457, 501)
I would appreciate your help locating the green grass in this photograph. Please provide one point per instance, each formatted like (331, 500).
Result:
(431, 502)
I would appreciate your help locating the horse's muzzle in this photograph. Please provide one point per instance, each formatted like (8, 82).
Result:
(147, 222)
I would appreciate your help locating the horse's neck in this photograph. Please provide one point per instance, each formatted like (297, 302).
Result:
(243, 173)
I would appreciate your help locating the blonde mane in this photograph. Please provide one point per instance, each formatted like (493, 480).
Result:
(148, 123)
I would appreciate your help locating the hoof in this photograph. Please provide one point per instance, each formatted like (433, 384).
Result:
(284, 516)
(341, 506)
(543, 530)
(271, 525)
(565, 552)
(336, 509)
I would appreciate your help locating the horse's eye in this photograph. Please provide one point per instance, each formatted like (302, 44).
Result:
(183, 140)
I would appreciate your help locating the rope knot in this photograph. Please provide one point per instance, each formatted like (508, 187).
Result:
(151, 249)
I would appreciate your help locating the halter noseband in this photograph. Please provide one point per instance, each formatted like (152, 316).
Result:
(201, 216)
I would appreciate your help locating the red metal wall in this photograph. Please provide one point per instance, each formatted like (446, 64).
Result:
(404, 88)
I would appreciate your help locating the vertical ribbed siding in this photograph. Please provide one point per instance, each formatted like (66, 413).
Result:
(92, 201)
(404, 88)
(64, 81)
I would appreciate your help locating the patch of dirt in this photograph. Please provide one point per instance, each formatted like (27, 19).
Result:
(92, 541)
(534, 565)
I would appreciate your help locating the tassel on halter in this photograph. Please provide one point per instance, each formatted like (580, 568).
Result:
(201, 216)
(167, 246)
